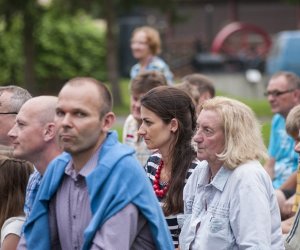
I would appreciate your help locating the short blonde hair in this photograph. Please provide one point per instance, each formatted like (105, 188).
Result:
(292, 124)
(242, 131)
(153, 38)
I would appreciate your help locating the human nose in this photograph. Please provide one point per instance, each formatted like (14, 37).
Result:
(198, 137)
(297, 147)
(12, 132)
(66, 120)
(141, 130)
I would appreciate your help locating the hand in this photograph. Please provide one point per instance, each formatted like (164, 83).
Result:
(287, 207)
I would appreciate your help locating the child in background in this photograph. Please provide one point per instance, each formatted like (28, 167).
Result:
(139, 86)
(14, 175)
(199, 87)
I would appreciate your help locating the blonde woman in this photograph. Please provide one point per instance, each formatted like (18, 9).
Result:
(230, 202)
(145, 47)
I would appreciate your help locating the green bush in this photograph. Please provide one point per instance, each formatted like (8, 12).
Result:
(70, 47)
(10, 53)
(66, 47)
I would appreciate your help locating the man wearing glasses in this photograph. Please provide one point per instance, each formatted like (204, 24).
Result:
(283, 93)
(11, 100)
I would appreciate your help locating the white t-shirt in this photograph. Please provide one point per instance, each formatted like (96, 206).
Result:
(12, 225)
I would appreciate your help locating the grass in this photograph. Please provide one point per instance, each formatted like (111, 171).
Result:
(260, 107)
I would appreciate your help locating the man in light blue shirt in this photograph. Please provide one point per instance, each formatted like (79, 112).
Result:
(283, 93)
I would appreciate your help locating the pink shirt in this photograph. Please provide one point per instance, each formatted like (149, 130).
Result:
(70, 214)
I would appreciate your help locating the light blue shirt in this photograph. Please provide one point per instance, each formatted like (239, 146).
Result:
(155, 64)
(281, 148)
(237, 210)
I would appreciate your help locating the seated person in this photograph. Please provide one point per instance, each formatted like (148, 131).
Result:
(139, 86)
(14, 175)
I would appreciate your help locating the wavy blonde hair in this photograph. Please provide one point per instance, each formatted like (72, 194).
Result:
(242, 131)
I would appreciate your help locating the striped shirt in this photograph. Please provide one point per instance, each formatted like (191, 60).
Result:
(172, 220)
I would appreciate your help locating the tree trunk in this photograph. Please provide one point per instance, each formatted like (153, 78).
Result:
(112, 49)
(29, 53)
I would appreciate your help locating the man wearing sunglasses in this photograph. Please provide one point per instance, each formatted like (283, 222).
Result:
(11, 99)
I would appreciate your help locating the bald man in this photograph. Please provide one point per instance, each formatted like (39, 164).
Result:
(34, 139)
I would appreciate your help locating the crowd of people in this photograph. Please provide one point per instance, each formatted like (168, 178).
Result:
(192, 171)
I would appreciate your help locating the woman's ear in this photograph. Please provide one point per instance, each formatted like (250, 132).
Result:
(174, 125)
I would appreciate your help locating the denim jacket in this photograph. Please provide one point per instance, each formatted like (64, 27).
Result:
(237, 210)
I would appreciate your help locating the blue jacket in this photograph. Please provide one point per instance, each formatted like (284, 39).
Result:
(117, 180)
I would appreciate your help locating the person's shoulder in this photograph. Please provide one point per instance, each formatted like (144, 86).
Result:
(12, 225)
(278, 119)
(130, 120)
(251, 171)
(158, 62)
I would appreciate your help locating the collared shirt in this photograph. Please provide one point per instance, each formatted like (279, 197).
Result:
(237, 210)
(281, 148)
(70, 214)
(32, 188)
(155, 64)
(132, 139)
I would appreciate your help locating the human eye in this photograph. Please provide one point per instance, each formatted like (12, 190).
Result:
(20, 124)
(208, 131)
(80, 114)
(147, 122)
(59, 113)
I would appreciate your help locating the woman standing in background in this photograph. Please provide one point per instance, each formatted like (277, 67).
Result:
(145, 47)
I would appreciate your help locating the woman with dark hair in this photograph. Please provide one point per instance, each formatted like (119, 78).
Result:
(14, 175)
(168, 124)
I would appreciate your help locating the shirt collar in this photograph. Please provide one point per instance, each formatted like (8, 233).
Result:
(219, 181)
(87, 168)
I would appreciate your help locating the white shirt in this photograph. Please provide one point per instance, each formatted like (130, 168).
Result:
(12, 225)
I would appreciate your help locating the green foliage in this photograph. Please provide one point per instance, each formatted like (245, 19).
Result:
(66, 47)
(266, 129)
(70, 47)
(10, 52)
(124, 109)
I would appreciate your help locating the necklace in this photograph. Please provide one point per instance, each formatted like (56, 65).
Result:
(159, 192)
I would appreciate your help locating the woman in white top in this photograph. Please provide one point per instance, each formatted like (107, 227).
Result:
(14, 175)
(229, 203)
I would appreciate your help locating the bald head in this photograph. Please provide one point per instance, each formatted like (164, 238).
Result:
(41, 108)
(34, 132)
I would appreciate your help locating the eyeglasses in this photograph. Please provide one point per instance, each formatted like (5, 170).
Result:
(8, 113)
(277, 93)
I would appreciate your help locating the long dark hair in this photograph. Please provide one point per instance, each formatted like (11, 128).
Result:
(169, 103)
(14, 175)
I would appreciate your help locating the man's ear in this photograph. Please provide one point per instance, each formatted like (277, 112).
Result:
(108, 121)
(49, 131)
(174, 125)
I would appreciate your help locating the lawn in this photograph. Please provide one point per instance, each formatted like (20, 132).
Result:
(260, 107)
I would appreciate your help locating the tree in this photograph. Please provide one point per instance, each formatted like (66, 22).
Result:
(30, 12)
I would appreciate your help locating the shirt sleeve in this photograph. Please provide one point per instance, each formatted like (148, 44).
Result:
(128, 229)
(251, 207)
(12, 226)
